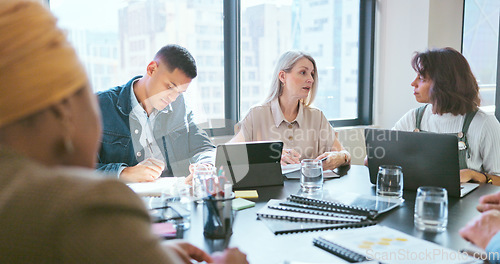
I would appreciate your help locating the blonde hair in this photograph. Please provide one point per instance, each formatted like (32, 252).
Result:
(286, 63)
(38, 66)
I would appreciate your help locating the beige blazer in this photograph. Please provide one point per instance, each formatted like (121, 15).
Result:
(65, 215)
(310, 134)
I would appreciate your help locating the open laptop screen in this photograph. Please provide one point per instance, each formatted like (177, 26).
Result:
(427, 159)
(251, 164)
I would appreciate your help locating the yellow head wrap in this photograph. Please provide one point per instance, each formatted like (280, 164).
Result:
(38, 67)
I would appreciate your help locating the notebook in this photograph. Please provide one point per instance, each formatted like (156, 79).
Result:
(251, 164)
(277, 209)
(350, 203)
(292, 172)
(427, 159)
(388, 246)
(281, 227)
(302, 214)
(155, 188)
(285, 222)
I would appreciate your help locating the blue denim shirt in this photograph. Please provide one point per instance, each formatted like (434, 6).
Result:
(182, 141)
(493, 249)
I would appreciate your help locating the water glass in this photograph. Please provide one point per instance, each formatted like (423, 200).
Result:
(390, 181)
(311, 175)
(177, 205)
(431, 209)
(202, 180)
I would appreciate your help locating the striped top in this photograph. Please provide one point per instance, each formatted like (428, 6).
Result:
(483, 135)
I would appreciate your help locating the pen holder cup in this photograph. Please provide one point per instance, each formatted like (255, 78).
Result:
(218, 217)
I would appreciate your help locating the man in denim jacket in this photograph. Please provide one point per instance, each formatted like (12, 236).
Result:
(147, 130)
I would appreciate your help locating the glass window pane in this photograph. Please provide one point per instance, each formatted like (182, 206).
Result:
(480, 45)
(116, 39)
(326, 29)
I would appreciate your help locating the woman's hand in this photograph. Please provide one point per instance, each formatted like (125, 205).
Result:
(334, 159)
(467, 175)
(290, 156)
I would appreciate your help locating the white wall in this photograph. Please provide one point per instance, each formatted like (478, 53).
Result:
(403, 27)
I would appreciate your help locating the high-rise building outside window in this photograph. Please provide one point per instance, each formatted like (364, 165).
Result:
(323, 28)
(480, 46)
(116, 39)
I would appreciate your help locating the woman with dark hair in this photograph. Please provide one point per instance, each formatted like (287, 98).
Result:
(446, 85)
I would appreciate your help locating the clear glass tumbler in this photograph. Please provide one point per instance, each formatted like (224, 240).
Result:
(431, 209)
(311, 175)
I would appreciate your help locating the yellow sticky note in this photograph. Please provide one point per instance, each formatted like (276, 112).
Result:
(246, 194)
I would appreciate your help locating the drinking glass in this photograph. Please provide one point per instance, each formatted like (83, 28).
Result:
(431, 209)
(177, 205)
(311, 175)
(203, 181)
(390, 181)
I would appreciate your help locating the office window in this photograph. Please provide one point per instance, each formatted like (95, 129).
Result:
(327, 29)
(480, 46)
(123, 36)
(235, 52)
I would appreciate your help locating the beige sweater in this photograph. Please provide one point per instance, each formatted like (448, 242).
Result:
(65, 215)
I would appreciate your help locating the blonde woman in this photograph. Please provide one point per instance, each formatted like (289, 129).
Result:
(287, 115)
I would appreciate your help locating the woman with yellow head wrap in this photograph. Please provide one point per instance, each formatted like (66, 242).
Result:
(52, 210)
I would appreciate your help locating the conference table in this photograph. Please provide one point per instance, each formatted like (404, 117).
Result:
(253, 237)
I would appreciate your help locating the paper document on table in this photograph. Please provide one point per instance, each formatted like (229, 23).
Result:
(289, 168)
(327, 174)
(155, 188)
(388, 246)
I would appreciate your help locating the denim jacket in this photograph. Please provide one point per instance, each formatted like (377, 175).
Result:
(181, 140)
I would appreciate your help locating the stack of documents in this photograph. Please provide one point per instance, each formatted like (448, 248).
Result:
(300, 214)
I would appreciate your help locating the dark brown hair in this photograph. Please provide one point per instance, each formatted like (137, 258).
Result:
(454, 89)
(177, 57)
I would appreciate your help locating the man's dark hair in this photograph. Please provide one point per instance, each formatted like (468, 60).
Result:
(177, 57)
(454, 88)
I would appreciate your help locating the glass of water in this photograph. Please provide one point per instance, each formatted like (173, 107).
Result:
(202, 178)
(431, 209)
(390, 181)
(311, 176)
(177, 205)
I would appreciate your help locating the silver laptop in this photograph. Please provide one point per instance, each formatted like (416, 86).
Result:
(427, 159)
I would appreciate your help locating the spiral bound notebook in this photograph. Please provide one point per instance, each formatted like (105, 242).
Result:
(282, 226)
(350, 203)
(282, 219)
(307, 209)
(387, 245)
(273, 209)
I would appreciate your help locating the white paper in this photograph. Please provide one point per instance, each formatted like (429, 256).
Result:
(289, 168)
(155, 188)
(391, 246)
